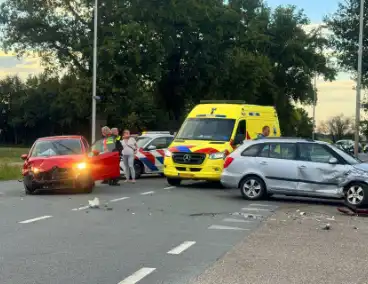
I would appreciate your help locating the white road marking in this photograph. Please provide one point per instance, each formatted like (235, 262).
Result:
(148, 192)
(118, 199)
(233, 220)
(80, 208)
(255, 209)
(218, 227)
(170, 187)
(137, 276)
(182, 247)
(261, 205)
(34, 219)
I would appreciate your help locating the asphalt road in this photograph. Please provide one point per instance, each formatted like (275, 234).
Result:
(146, 232)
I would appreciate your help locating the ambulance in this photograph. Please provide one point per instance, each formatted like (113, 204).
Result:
(211, 131)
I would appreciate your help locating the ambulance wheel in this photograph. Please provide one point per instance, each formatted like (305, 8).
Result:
(138, 168)
(174, 181)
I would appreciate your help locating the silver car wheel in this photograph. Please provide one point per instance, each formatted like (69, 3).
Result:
(252, 188)
(355, 194)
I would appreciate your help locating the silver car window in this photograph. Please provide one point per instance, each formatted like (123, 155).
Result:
(251, 151)
(314, 153)
(279, 151)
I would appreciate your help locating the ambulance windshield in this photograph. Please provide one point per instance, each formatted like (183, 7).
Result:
(212, 129)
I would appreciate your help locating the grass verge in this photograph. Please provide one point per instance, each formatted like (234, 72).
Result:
(12, 154)
(10, 172)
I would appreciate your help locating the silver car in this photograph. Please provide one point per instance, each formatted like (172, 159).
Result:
(298, 167)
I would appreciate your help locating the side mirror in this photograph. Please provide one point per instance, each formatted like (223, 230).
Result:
(24, 157)
(95, 152)
(333, 161)
(151, 147)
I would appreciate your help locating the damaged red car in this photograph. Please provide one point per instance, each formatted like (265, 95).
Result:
(66, 162)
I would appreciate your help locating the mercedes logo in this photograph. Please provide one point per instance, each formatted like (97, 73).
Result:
(186, 158)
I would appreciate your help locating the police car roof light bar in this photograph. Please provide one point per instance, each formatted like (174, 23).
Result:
(235, 102)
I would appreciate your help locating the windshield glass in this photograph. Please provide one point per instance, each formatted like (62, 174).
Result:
(62, 147)
(349, 158)
(142, 140)
(214, 129)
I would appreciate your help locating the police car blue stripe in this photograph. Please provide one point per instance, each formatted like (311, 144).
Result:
(160, 159)
(149, 164)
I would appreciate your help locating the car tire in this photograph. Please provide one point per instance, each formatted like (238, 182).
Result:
(174, 181)
(28, 189)
(89, 188)
(356, 195)
(253, 188)
(138, 168)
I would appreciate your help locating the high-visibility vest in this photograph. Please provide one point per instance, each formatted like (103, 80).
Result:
(107, 140)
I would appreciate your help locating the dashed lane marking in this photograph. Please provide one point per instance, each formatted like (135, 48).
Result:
(261, 205)
(80, 208)
(255, 209)
(170, 187)
(34, 219)
(219, 227)
(119, 199)
(148, 192)
(182, 247)
(137, 276)
(233, 220)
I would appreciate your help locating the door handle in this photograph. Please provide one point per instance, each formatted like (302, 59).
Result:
(302, 167)
(263, 163)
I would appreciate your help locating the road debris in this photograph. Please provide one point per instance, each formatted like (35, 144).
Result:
(326, 227)
(95, 203)
(302, 213)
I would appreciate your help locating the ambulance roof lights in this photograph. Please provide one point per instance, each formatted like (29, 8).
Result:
(155, 132)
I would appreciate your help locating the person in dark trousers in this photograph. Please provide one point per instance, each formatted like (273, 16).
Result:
(118, 148)
(105, 131)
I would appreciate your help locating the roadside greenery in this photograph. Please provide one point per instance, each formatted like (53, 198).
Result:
(156, 59)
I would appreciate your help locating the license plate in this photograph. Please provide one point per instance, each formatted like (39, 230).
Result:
(185, 175)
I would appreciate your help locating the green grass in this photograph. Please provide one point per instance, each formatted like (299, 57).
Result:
(10, 172)
(11, 154)
(11, 163)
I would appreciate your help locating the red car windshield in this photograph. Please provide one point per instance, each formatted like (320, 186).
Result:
(62, 147)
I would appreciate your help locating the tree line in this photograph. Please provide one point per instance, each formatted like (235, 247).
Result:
(156, 60)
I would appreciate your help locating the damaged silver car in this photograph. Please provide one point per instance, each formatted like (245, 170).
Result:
(296, 167)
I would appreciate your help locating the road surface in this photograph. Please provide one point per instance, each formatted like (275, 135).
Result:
(146, 232)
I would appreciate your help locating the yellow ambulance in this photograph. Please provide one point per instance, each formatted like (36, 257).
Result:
(211, 131)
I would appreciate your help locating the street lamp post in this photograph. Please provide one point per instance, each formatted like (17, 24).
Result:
(94, 79)
(314, 106)
(359, 78)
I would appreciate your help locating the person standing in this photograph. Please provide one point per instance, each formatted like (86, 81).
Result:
(118, 148)
(129, 149)
(265, 132)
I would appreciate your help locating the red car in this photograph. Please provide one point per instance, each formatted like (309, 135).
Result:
(61, 162)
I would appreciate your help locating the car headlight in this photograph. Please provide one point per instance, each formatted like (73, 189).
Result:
(218, 155)
(168, 153)
(81, 166)
(35, 170)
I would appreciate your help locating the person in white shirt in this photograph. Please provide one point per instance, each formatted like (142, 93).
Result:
(129, 149)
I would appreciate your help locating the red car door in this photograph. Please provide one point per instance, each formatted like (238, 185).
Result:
(105, 166)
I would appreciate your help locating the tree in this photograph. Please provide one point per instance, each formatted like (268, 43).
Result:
(302, 123)
(338, 127)
(156, 59)
(344, 25)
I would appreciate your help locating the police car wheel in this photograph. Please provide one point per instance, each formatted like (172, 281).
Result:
(138, 168)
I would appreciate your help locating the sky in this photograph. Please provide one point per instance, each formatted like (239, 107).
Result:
(334, 98)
